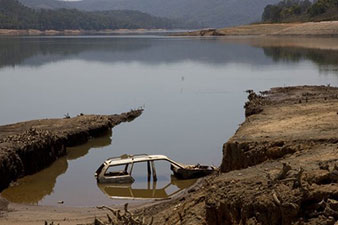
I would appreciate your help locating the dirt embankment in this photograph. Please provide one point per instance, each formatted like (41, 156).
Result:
(280, 167)
(27, 147)
(326, 28)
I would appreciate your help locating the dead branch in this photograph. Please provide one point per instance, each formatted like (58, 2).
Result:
(126, 218)
(284, 171)
(52, 223)
(275, 198)
(106, 207)
(98, 222)
(298, 181)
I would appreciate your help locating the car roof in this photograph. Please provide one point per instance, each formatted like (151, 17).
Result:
(125, 159)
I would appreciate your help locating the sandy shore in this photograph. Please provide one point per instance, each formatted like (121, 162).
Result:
(14, 32)
(19, 214)
(34, 32)
(326, 28)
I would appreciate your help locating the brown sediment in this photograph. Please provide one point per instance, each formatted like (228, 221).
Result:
(28, 147)
(325, 28)
(280, 167)
(34, 32)
(283, 121)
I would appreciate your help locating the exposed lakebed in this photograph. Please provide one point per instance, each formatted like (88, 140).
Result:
(192, 89)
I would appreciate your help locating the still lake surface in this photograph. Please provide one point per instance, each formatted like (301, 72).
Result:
(193, 91)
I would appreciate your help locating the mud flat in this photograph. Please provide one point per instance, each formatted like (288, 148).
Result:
(325, 28)
(28, 147)
(280, 167)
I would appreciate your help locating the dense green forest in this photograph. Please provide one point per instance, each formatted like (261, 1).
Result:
(301, 10)
(14, 15)
(204, 13)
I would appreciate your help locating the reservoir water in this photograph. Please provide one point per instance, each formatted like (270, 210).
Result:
(192, 89)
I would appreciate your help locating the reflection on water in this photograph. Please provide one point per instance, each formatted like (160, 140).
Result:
(37, 51)
(120, 191)
(40, 51)
(33, 188)
(193, 91)
(327, 60)
(79, 151)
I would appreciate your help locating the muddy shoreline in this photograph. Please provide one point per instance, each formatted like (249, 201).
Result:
(280, 167)
(306, 29)
(28, 147)
(34, 32)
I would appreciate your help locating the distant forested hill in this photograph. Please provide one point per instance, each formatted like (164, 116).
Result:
(14, 15)
(206, 13)
(301, 10)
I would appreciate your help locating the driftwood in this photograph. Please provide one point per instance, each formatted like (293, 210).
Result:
(283, 173)
(327, 207)
(126, 218)
(298, 181)
(284, 176)
(275, 198)
(52, 223)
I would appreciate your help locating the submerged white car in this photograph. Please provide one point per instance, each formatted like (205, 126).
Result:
(119, 169)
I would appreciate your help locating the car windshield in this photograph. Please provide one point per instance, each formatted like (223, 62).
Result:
(118, 170)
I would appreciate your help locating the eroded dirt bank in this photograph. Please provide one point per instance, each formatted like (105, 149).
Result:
(280, 167)
(28, 147)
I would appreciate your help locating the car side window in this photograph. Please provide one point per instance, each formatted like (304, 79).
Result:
(118, 170)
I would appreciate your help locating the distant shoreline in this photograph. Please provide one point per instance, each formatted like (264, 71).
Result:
(34, 32)
(325, 28)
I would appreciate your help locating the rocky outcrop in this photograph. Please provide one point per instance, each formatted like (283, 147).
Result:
(27, 147)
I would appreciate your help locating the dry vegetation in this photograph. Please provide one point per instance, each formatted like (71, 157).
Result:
(327, 28)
